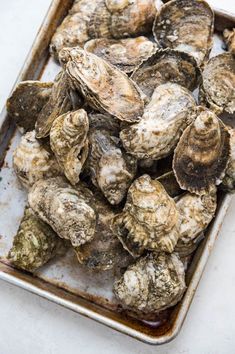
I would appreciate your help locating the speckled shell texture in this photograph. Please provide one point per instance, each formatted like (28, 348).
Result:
(186, 25)
(32, 161)
(165, 66)
(69, 142)
(229, 38)
(149, 219)
(104, 87)
(202, 154)
(217, 90)
(34, 244)
(228, 183)
(170, 110)
(67, 210)
(26, 102)
(126, 54)
(152, 284)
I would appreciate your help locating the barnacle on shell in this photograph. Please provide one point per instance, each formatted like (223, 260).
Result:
(126, 54)
(32, 161)
(166, 66)
(34, 244)
(26, 102)
(202, 154)
(104, 87)
(154, 283)
(69, 211)
(186, 25)
(155, 136)
(68, 140)
(149, 219)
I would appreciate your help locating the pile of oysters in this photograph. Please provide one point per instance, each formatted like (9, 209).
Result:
(121, 161)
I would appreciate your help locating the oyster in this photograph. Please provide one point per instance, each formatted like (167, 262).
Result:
(196, 213)
(122, 18)
(104, 251)
(229, 37)
(26, 102)
(217, 90)
(60, 102)
(112, 169)
(68, 139)
(67, 210)
(186, 25)
(35, 243)
(105, 88)
(165, 66)
(228, 182)
(152, 284)
(104, 122)
(149, 219)
(125, 54)
(32, 161)
(202, 154)
(73, 31)
(169, 112)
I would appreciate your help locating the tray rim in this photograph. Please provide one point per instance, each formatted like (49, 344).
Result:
(79, 308)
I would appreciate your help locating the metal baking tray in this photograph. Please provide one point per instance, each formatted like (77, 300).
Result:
(63, 280)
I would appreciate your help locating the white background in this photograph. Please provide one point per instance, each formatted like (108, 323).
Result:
(32, 325)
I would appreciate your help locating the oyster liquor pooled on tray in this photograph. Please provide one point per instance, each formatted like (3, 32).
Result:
(121, 160)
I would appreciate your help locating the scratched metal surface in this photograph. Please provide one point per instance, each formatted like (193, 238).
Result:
(65, 272)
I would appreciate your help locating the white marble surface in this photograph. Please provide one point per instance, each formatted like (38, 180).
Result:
(32, 325)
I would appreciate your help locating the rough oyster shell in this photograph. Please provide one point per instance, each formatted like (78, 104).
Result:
(104, 251)
(26, 102)
(112, 169)
(74, 29)
(164, 66)
(228, 183)
(122, 18)
(149, 219)
(68, 140)
(60, 102)
(125, 54)
(32, 162)
(104, 122)
(155, 136)
(202, 154)
(34, 244)
(152, 284)
(217, 90)
(186, 25)
(196, 213)
(229, 37)
(105, 88)
(67, 210)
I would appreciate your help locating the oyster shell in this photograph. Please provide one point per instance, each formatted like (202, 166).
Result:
(196, 213)
(104, 122)
(32, 161)
(149, 219)
(217, 90)
(105, 88)
(104, 251)
(34, 244)
(68, 139)
(202, 154)
(26, 102)
(112, 169)
(74, 29)
(169, 112)
(186, 25)
(122, 18)
(125, 54)
(228, 182)
(229, 37)
(165, 66)
(152, 284)
(67, 210)
(60, 102)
